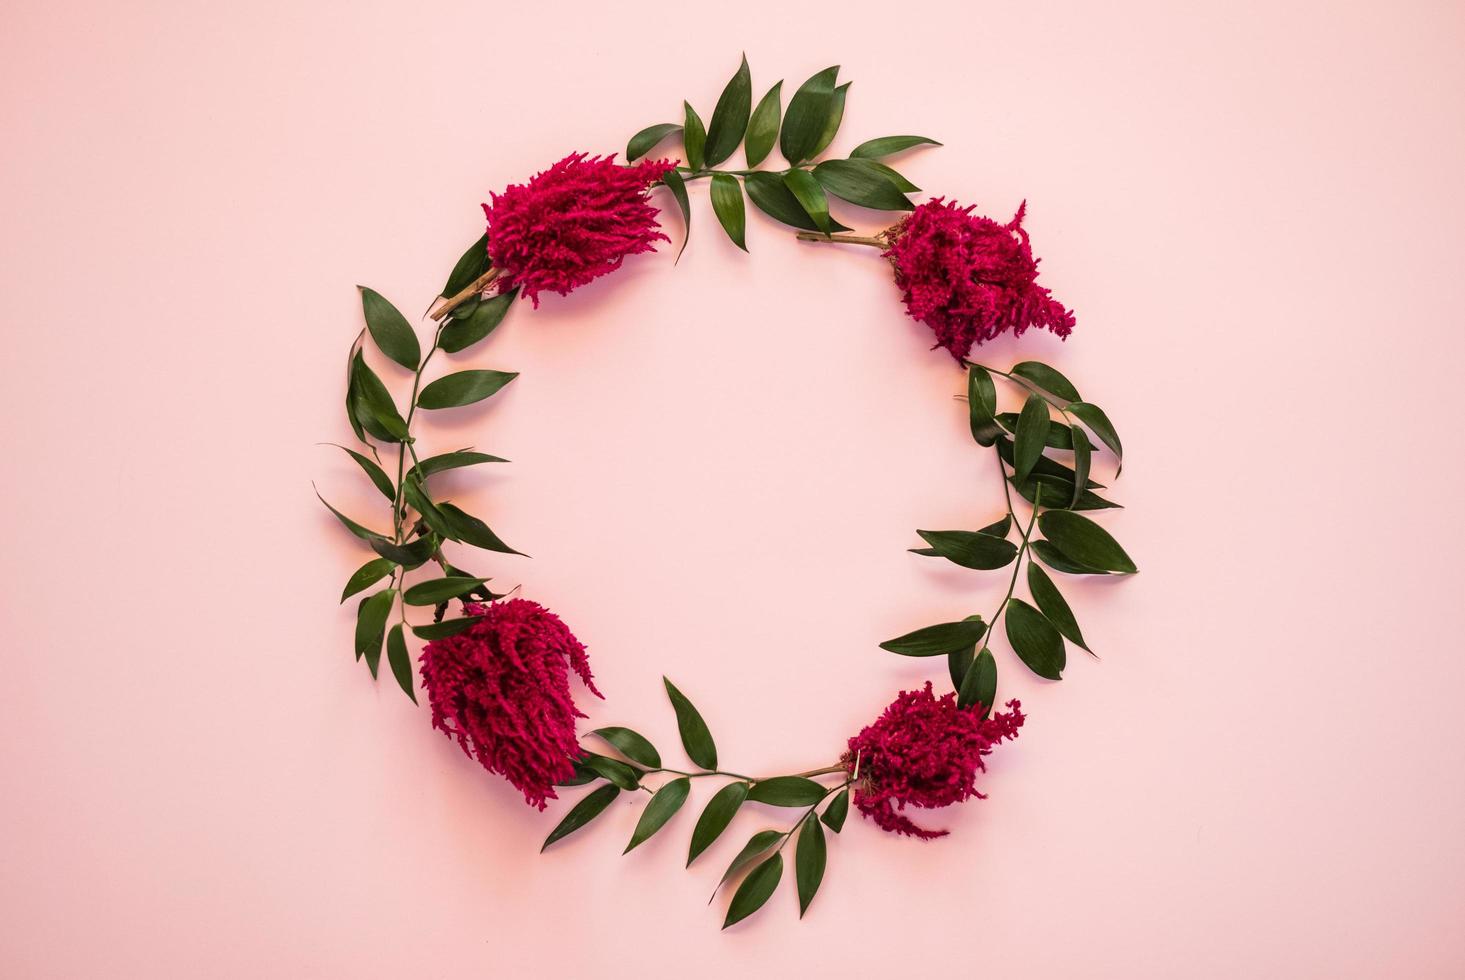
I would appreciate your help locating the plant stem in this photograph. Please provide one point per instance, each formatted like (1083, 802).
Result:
(465, 294)
(1021, 551)
(817, 236)
(399, 506)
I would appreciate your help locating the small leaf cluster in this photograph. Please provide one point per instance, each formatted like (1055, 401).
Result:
(799, 194)
(760, 861)
(1045, 454)
(420, 521)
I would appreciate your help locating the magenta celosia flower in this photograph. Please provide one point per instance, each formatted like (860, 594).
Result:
(924, 751)
(969, 278)
(574, 222)
(502, 689)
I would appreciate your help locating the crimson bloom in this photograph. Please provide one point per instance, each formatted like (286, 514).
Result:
(574, 222)
(502, 689)
(969, 278)
(924, 751)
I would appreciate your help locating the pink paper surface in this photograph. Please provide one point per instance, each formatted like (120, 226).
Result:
(1256, 211)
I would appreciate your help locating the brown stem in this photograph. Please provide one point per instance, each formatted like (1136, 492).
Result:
(465, 294)
(818, 236)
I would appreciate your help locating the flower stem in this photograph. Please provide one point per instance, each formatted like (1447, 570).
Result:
(465, 294)
(819, 236)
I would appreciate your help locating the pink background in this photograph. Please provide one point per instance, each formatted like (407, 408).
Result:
(1255, 209)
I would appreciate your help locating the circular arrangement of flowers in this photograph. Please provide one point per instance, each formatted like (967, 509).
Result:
(497, 668)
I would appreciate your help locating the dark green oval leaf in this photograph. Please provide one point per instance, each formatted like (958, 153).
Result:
(470, 266)
(436, 590)
(373, 472)
(1093, 416)
(715, 818)
(696, 739)
(786, 791)
(463, 388)
(1060, 436)
(756, 847)
(400, 662)
(1032, 433)
(373, 404)
(727, 204)
(971, 549)
(581, 776)
(390, 329)
(837, 810)
(694, 137)
(620, 774)
(1059, 562)
(884, 146)
(448, 627)
(770, 195)
(471, 530)
(979, 686)
(808, 114)
(763, 126)
(933, 641)
(451, 461)
(1081, 460)
(678, 187)
(463, 332)
(730, 117)
(861, 182)
(371, 625)
(981, 396)
(1046, 378)
(1052, 605)
(632, 745)
(364, 533)
(665, 802)
(809, 863)
(832, 121)
(369, 574)
(755, 890)
(582, 813)
(408, 555)
(810, 195)
(1035, 640)
(1085, 542)
(643, 141)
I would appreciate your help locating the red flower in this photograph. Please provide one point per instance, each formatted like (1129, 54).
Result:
(572, 223)
(969, 278)
(502, 688)
(926, 752)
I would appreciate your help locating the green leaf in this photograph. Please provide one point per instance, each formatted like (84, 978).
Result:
(643, 141)
(416, 497)
(755, 890)
(437, 590)
(810, 861)
(470, 266)
(1046, 378)
(979, 686)
(971, 549)
(1081, 461)
(958, 662)
(632, 745)
(373, 471)
(998, 529)
(786, 791)
(862, 182)
(1093, 416)
(364, 533)
(471, 530)
(371, 625)
(981, 396)
(837, 810)
(1052, 605)
(448, 627)
(715, 817)
(730, 117)
(770, 195)
(665, 802)
(901, 183)
(451, 461)
(582, 813)
(390, 329)
(1060, 436)
(886, 145)
(1035, 640)
(696, 739)
(933, 641)
(463, 388)
(694, 137)
(1085, 542)
(581, 776)
(369, 574)
(622, 775)
(1057, 493)
(400, 662)
(1058, 561)
(810, 195)
(408, 555)
(1032, 432)
(808, 114)
(1044, 467)
(373, 404)
(352, 396)
(756, 847)
(678, 188)
(463, 332)
(832, 121)
(763, 126)
(727, 204)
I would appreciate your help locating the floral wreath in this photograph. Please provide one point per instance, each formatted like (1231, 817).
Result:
(497, 673)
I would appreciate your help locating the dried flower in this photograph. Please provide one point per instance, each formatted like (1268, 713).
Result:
(572, 223)
(924, 751)
(502, 689)
(969, 278)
